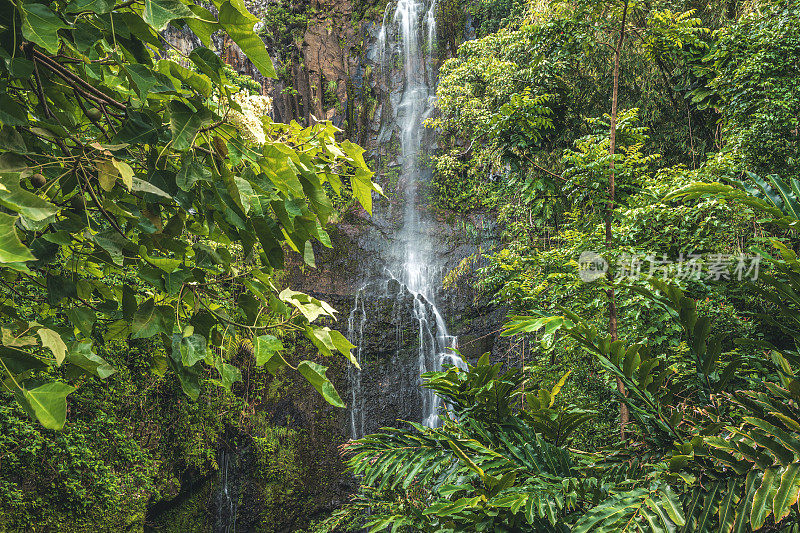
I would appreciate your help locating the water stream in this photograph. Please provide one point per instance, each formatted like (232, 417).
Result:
(355, 332)
(225, 496)
(413, 264)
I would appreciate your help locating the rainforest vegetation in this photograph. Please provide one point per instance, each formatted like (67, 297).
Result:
(640, 164)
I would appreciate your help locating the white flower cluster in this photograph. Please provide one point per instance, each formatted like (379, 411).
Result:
(248, 122)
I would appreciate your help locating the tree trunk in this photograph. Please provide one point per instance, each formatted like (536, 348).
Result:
(624, 416)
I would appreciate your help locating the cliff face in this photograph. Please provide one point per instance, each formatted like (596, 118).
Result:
(320, 49)
(326, 56)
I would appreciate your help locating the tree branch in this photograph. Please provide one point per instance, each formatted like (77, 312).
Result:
(74, 80)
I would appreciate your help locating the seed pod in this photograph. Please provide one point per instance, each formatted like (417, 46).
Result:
(38, 180)
(220, 148)
(94, 114)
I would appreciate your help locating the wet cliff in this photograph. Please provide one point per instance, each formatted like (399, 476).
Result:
(325, 56)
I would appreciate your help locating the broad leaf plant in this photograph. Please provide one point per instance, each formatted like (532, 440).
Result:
(135, 201)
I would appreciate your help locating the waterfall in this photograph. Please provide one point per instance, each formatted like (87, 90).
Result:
(418, 272)
(226, 497)
(436, 345)
(355, 332)
(413, 265)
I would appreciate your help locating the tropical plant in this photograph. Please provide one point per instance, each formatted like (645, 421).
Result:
(713, 441)
(707, 457)
(497, 463)
(137, 198)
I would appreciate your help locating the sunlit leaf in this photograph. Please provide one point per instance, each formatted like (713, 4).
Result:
(315, 374)
(11, 248)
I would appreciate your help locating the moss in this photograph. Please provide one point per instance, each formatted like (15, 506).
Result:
(279, 477)
(91, 472)
(190, 514)
(369, 9)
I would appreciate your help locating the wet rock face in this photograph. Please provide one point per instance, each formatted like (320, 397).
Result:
(392, 392)
(328, 66)
(389, 337)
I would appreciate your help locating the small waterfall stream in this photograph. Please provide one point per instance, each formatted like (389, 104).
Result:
(226, 497)
(413, 265)
(355, 332)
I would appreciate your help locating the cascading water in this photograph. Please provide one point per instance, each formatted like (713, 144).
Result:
(225, 497)
(355, 332)
(412, 265)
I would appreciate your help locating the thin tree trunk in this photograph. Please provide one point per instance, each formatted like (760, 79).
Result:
(624, 416)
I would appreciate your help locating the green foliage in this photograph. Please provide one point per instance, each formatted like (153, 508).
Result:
(146, 211)
(708, 371)
(284, 22)
(130, 441)
(450, 27)
(754, 78)
(245, 83)
(487, 467)
(492, 15)
(555, 424)
(93, 472)
(588, 167)
(137, 195)
(520, 124)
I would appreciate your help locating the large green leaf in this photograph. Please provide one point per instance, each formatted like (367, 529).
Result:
(54, 342)
(150, 319)
(185, 123)
(310, 307)
(96, 6)
(190, 173)
(207, 62)
(727, 508)
(188, 377)
(788, 492)
(140, 185)
(23, 202)
(81, 355)
(204, 24)
(18, 361)
(362, 190)
(82, 318)
(671, 505)
(229, 375)
(762, 500)
(41, 25)
(327, 340)
(699, 190)
(280, 170)
(11, 248)
(266, 347)
(344, 346)
(193, 349)
(49, 403)
(159, 13)
(11, 113)
(199, 82)
(608, 515)
(146, 81)
(238, 23)
(315, 374)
